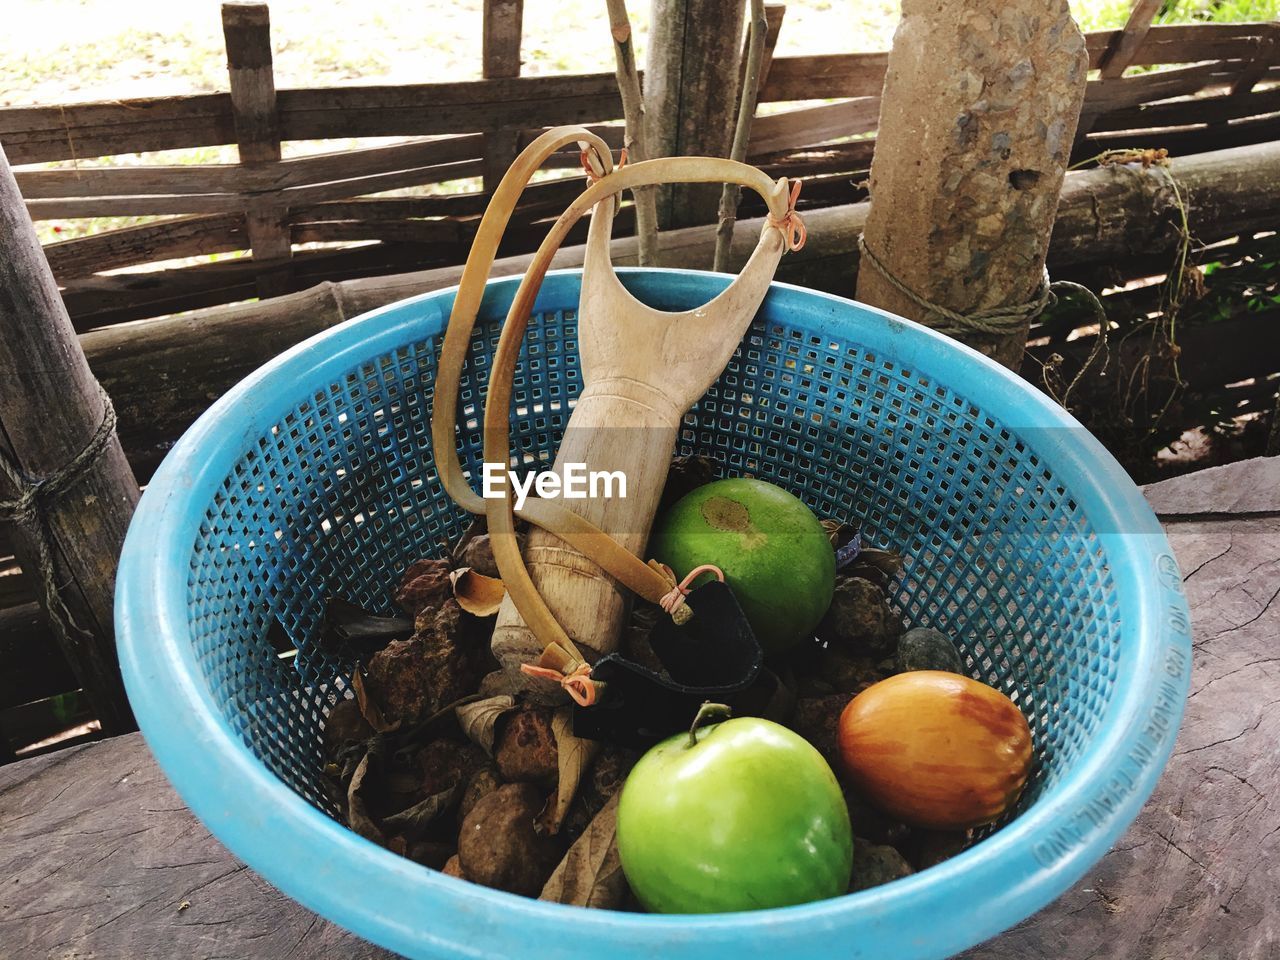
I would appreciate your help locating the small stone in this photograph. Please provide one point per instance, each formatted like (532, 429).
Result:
(500, 846)
(432, 853)
(928, 848)
(870, 821)
(525, 750)
(446, 763)
(482, 783)
(860, 619)
(850, 674)
(874, 864)
(922, 648)
(478, 555)
(812, 687)
(424, 585)
(453, 868)
(817, 719)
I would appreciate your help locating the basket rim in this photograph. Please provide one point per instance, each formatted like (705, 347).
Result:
(420, 912)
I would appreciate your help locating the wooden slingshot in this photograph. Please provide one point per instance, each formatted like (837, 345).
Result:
(642, 370)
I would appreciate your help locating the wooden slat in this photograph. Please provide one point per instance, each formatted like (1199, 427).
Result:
(862, 74)
(130, 246)
(161, 205)
(395, 231)
(97, 301)
(549, 193)
(79, 130)
(1183, 113)
(40, 719)
(774, 13)
(1105, 95)
(66, 132)
(853, 157)
(813, 125)
(206, 179)
(247, 28)
(825, 76)
(1184, 43)
(500, 45)
(1121, 50)
(1267, 55)
(417, 110)
(1183, 142)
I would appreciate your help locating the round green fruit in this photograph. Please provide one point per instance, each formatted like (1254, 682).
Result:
(746, 817)
(775, 555)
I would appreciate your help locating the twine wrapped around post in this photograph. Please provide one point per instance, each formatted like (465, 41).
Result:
(977, 120)
(35, 497)
(63, 477)
(1001, 321)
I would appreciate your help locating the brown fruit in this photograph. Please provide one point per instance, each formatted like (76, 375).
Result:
(936, 749)
(500, 846)
(526, 748)
(425, 585)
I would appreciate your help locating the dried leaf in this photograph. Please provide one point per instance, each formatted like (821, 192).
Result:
(358, 818)
(590, 875)
(369, 708)
(413, 822)
(350, 622)
(479, 719)
(834, 529)
(574, 755)
(477, 594)
(888, 562)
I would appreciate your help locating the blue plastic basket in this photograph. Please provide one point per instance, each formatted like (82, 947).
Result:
(1026, 541)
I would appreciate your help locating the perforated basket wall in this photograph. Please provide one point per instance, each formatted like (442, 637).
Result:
(340, 495)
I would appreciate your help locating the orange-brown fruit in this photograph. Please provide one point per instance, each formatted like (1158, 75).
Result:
(936, 749)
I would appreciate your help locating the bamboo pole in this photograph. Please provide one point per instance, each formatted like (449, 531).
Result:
(51, 410)
(1118, 56)
(731, 193)
(636, 141)
(977, 119)
(691, 90)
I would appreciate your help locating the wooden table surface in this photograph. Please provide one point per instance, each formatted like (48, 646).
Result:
(99, 859)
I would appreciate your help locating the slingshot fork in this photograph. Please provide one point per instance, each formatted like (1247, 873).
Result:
(642, 370)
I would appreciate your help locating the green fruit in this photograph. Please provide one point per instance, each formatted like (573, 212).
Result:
(775, 555)
(750, 816)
